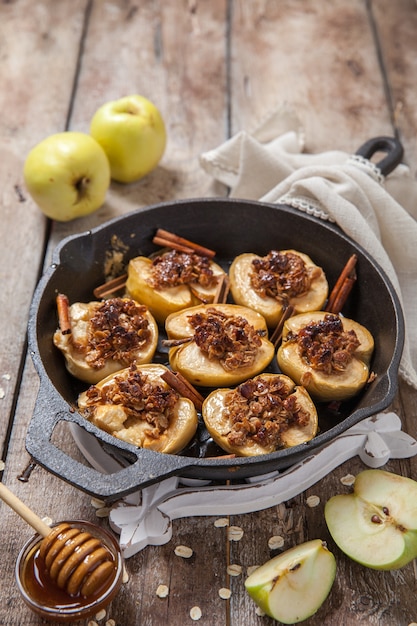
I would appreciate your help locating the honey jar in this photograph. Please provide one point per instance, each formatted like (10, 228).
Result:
(53, 604)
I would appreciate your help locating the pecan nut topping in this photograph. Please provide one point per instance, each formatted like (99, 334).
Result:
(325, 345)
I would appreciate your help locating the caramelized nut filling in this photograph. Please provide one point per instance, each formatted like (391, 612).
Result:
(324, 345)
(281, 275)
(174, 268)
(117, 328)
(142, 399)
(261, 410)
(228, 338)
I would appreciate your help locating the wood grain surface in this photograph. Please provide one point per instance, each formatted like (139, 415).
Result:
(348, 68)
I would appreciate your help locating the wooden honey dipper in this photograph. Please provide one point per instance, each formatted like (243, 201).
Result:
(75, 560)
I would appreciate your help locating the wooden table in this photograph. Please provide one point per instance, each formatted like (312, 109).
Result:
(214, 67)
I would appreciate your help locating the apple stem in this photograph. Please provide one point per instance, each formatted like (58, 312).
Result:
(81, 186)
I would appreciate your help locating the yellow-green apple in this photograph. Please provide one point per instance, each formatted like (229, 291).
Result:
(376, 525)
(293, 585)
(132, 132)
(68, 175)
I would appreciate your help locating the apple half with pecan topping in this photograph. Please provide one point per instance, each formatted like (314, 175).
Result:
(172, 281)
(104, 337)
(261, 415)
(326, 353)
(269, 284)
(218, 345)
(138, 406)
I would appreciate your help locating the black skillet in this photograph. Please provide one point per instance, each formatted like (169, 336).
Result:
(230, 227)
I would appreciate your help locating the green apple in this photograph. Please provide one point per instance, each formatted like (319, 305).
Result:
(376, 525)
(132, 133)
(293, 585)
(68, 175)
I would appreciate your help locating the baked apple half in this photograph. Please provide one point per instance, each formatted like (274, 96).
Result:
(269, 284)
(172, 281)
(218, 345)
(101, 338)
(261, 415)
(138, 406)
(326, 353)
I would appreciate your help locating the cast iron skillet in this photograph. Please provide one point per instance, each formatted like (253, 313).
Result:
(230, 227)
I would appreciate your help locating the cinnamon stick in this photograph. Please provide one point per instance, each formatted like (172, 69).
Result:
(184, 387)
(343, 286)
(110, 286)
(222, 290)
(277, 334)
(62, 304)
(170, 240)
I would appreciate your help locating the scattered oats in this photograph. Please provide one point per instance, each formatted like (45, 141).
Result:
(313, 501)
(259, 611)
(2, 466)
(234, 533)
(234, 570)
(47, 521)
(110, 622)
(97, 503)
(2, 393)
(183, 551)
(275, 542)
(195, 613)
(221, 522)
(103, 512)
(225, 593)
(100, 615)
(125, 578)
(162, 591)
(347, 480)
(251, 569)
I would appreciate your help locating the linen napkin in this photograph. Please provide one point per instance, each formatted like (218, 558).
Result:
(379, 213)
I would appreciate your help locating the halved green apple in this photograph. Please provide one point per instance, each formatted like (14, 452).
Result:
(107, 336)
(339, 384)
(138, 406)
(271, 307)
(293, 585)
(376, 525)
(164, 301)
(261, 415)
(206, 370)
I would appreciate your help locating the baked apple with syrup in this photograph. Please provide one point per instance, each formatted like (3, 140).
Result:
(326, 353)
(100, 338)
(218, 345)
(269, 284)
(139, 407)
(172, 281)
(261, 415)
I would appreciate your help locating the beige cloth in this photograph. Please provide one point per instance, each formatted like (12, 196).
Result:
(380, 214)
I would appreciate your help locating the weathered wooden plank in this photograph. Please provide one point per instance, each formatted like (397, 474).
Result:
(316, 57)
(38, 58)
(396, 25)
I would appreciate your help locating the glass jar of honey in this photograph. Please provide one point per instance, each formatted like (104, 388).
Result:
(50, 602)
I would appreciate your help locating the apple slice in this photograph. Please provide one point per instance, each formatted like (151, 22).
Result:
(376, 525)
(292, 586)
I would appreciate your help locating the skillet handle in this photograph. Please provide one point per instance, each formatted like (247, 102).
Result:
(390, 145)
(142, 467)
